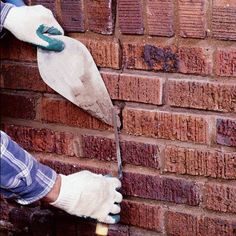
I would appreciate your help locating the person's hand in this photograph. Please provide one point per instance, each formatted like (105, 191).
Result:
(86, 194)
(35, 24)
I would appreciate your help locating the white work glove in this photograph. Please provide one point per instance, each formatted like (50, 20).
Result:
(34, 24)
(86, 194)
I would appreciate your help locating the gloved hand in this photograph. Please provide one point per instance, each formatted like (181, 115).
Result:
(34, 24)
(86, 194)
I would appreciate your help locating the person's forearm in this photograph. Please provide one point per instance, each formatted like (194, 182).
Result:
(54, 193)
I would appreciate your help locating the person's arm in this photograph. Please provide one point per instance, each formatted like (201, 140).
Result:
(22, 177)
(82, 194)
(32, 24)
(4, 9)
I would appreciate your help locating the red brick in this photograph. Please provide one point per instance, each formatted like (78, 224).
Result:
(226, 132)
(225, 62)
(160, 16)
(14, 49)
(130, 17)
(193, 161)
(41, 140)
(144, 215)
(162, 188)
(50, 4)
(4, 209)
(135, 153)
(202, 95)
(22, 76)
(150, 57)
(134, 87)
(185, 224)
(220, 197)
(140, 232)
(18, 105)
(166, 125)
(192, 18)
(118, 230)
(194, 60)
(100, 16)
(72, 15)
(224, 19)
(105, 51)
(63, 112)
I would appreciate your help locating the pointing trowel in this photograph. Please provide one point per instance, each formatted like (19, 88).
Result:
(74, 75)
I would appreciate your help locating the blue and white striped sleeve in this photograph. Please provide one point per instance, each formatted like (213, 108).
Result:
(22, 177)
(4, 9)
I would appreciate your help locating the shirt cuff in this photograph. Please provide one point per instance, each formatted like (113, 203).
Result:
(4, 8)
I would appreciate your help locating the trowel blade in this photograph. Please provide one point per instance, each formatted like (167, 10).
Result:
(74, 74)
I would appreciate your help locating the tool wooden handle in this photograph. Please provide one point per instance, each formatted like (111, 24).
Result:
(102, 229)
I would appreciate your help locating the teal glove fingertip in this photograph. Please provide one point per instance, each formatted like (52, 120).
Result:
(53, 44)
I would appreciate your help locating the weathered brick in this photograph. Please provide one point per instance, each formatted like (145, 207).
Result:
(202, 95)
(135, 153)
(72, 15)
(50, 4)
(225, 62)
(22, 105)
(162, 188)
(4, 209)
(22, 76)
(160, 17)
(100, 16)
(63, 112)
(130, 17)
(105, 51)
(185, 224)
(192, 161)
(220, 197)
(226, 132)
(224, 19)
(194, 60)
(14, 49)
(41, 140)
(166, 125)
(134, 87)
(134, 231)
(144, 215)
(192, 18)
(118, 230)
(150, 57)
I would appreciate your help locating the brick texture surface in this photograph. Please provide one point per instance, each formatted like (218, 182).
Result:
(13, 49)
(225, 62)
(64, 112)
(160, 19)
(105, 52)
(194, 60)
(224, 19)
(202, 95)
(130, 17)
(226, 132)
(150, 57)
(166, 125)
(141, 214)
(134, 87)
(18, 105)
(176, 190)
(50, 4)
(192, 18)
(72, 15)
(193, 161)
(219, 197)
(100, 15)
(41, 140)
(185, 224)
(135, 153)
(28, 77)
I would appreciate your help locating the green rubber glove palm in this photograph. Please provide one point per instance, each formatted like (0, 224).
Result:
(35, 24)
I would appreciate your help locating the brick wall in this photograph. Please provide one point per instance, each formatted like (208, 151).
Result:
(170, 68)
